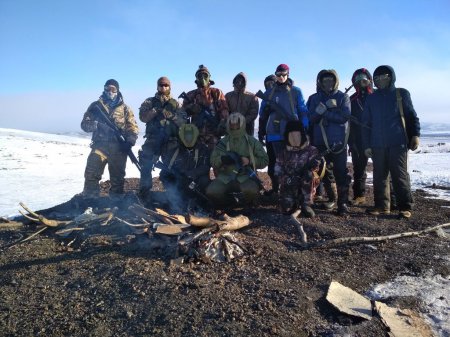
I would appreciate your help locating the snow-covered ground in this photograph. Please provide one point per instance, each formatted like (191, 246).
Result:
(43, 170)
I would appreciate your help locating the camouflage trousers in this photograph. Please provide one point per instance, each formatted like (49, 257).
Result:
(222, 194)
(98, 158)
(298, 191)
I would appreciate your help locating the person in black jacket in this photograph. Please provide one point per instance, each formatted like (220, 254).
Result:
(395, 128)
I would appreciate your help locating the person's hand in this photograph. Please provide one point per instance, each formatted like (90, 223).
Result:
(167, 114)
(314, 164)
(368, 152)
(414, 143)
(245, 161)
(331, 103)
(321, 108)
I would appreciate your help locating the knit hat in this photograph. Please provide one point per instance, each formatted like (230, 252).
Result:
(163, 80)
(203, 69)
(282, 68)
(112, 82)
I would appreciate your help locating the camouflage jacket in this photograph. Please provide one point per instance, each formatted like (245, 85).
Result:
(214, 101)
(295, 163)
(121, 114)
(152, 112)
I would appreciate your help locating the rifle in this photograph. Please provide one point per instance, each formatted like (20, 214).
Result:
(355, 120)
(277, 107)
(118, 133)
(349, 88)
(192, 184)
(205, 114)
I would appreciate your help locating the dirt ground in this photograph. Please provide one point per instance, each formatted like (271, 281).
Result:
(128, 287)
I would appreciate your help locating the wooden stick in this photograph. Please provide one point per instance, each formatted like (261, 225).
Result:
(361, 239)
(303, 236)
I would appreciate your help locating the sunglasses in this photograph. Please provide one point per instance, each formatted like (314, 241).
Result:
(281, 74)
(111, 89)
(164, 85)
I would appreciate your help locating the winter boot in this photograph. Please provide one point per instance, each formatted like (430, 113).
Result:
(331, 190)
(343, 200)
(307, 211)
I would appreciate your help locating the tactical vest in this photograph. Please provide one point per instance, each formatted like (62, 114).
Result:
(155, 124)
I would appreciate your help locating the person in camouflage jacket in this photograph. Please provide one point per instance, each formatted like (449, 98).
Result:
(297, 167)
(240, 100)
(235, 159)
(207, 107)
(162, 117)
(189, 162)
(106, 148)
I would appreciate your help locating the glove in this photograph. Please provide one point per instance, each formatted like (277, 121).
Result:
(227, 160)
(368, 152)
(245, 161)
(321, 108)
(414, 143)
(331, 103)
(167, 114)
(147, 115)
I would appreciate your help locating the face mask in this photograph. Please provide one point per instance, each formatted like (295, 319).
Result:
(202, 79)
(295, 138)
(269, 84)
(111, 95)
(164, 89)
(382, 81)
(189, 139)
(239, 83)
(328, 84)
(362, 81)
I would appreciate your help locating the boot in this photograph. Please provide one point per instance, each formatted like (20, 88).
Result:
(331, 190)
(343, 200)
(307, 211)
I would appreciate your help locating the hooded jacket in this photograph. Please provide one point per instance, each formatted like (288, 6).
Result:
(120, 113)
(245, 146)
(243, 102)
(382, 114)
(283, 94)
(334, 120)
(358, 100)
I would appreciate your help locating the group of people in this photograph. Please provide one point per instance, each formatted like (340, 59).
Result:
(306, 142)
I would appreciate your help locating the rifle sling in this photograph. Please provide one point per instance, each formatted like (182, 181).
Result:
(402, 115)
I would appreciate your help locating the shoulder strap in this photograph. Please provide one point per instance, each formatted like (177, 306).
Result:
(172, 160)
(400, 108)
(291, 100)
(250, 151)
(325, 139)
(196, 156)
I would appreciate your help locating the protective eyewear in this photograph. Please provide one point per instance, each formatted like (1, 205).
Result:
(381, 77)
(111, 88)
(281, 74)
(164, 85)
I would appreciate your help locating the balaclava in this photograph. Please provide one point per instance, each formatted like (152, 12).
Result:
(327, 81)
(163, 86)
(362, 81)
(236, 125)
(382, 77)
(269, 81)
(203, 77)
(111, 89)
(239, 82)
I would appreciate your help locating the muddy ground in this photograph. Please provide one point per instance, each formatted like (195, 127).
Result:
(111, 287)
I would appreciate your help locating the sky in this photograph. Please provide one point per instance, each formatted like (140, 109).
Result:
(56, 55)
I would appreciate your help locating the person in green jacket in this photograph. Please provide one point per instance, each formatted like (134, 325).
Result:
(235, 159)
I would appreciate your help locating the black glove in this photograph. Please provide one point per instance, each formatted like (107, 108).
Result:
(227, 160)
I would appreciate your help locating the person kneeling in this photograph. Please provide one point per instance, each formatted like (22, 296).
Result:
(235, 159)
(297, 168)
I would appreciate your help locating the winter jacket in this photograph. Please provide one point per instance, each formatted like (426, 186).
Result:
(245, 146)
(334, 120)
(285, 95)
(120, 113)
(214, 101)
(381, 113)
(244, 102)
(358, 100)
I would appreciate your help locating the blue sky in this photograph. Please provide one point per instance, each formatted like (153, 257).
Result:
(56, 55)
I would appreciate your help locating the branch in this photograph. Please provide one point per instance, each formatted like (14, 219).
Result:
(299, 225)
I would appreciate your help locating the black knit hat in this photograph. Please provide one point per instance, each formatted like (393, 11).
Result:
(112, 82)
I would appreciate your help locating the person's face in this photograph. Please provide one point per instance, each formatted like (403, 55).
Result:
(202, 79)
(239, 83)
(164, 88)
(328, 83)
(295, 138)
(111, 92)
(362, 81)
(269, 84)
(382, 81)
(281, 77)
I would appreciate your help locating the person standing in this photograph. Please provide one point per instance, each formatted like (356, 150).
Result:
(106, 147)
(363, 84)
(207, 108)
(284, 102)
(329, 111)
(395, 128)
(244, 102)
(159, 113)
